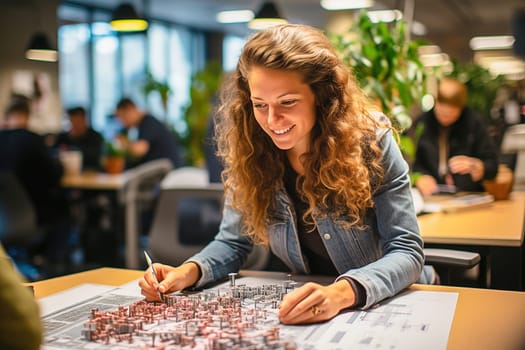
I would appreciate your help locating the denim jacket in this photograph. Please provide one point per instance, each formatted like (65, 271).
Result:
(384, 257)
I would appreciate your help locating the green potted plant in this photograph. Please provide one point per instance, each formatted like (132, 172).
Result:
(386, 64)
(114, 157)
(203, 90)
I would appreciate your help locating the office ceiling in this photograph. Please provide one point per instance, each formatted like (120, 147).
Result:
(449, 23)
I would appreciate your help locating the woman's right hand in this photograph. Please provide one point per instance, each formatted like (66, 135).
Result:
(171, 279)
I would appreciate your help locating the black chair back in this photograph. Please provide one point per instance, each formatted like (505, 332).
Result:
(18, 222)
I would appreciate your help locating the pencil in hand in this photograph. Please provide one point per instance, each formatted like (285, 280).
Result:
(154, 275)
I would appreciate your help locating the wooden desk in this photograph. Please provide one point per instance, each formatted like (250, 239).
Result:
(94, 181)
(496, 231)
(484, 319)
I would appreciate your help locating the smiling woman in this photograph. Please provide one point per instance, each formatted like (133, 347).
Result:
(312, 172)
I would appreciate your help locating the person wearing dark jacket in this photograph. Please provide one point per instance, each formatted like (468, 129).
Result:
(82, 137)
(154, 140)
(454, 147)
(25, 155)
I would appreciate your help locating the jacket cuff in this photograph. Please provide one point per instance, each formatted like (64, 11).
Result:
(359, 291)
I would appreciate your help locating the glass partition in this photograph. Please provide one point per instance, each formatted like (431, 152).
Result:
(98, 67)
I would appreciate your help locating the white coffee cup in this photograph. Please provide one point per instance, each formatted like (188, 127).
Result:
(71, 161)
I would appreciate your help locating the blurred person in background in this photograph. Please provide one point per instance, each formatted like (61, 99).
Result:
(454, 148)
(25, 154)
(88, 208)
(82, 137)
(153, 141)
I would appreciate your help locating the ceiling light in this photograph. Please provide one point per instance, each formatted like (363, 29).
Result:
(126, 19)
(237, 16)
(39, 49)
(491, 42)
(386, 16)
(267, 16)
(333, 5)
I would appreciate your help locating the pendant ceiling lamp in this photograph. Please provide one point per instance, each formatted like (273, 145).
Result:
(334, 5)
(267, 16)
(126, 19)
(40, 49)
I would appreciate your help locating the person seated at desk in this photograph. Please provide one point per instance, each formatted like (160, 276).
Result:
(20, 324)
(25, 154)
(154, 140)
(82, 137)
(454, 147)
(311, 172)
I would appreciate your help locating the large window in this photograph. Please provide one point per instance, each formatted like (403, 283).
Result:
(98, 67)
(159, 65)
(106, 89)
(231, 50)
(74, 64)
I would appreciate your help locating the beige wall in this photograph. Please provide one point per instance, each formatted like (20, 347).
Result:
(18, 21)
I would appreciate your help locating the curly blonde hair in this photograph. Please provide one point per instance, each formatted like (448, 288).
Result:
(343, 162)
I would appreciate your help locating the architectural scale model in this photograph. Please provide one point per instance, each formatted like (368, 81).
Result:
(238, 314)
(232, 317)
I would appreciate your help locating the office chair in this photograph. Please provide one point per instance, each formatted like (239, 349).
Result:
(139, 192)
(445, 260)
(167, 242)
(448, 260)
(19, 231)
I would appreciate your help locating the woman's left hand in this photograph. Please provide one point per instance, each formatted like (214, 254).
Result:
(313, 302)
